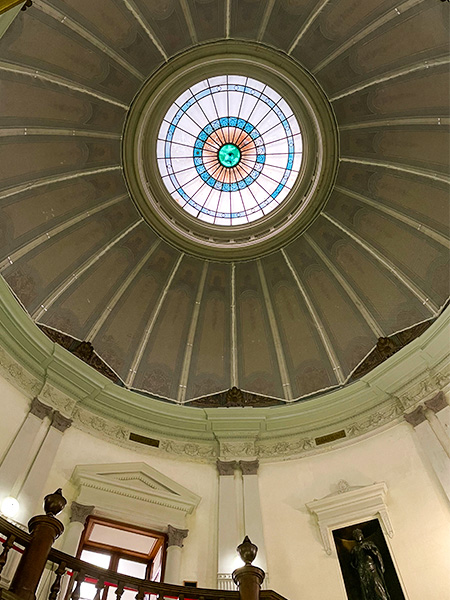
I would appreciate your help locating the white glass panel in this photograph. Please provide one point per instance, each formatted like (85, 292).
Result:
(218, 80)
(284, 106)
(189, 122)
(132, 568)
(257, 85)
(87, 591)
(234, 100)
(99, 559)
(122, 539)
(208, 107)
(221, 101)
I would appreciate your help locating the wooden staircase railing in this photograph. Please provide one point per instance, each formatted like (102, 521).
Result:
(70, 572)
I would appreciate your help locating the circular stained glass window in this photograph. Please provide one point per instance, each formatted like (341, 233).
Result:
(229, 150)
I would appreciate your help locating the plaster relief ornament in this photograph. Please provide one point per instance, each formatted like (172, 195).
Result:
(367, 560)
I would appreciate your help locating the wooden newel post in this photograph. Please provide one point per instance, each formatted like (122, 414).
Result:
(44, 529)
(248, 578)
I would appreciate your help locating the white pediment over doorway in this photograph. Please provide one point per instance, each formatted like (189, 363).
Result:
(134, 493)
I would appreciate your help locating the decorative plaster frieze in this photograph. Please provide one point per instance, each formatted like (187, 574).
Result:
(57, 399)
(176, 536)
(80, 512)
(189, 449)
(105, 428)
(373, 420)
(350, 505)
(18, 376)
(287, 448)
(233, 449)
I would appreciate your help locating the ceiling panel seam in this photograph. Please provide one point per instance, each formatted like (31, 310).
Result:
(189, 21)
(25, 187)
(420, 66)
(15, 256)
(332, 356)
(354, 297)
(265, 20)
(428, 231)
(387, 264)
(144, 341)
(47, 303)
(181, 397)
(284, 374)
(396, 122)
(145, 26)
(307, 23)
(398, 167)
(20, 131)
(366, 31)
(59, 81)
(60, 17)
(119, 292)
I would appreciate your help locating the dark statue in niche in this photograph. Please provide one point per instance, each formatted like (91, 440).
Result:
(367, 560)
(366, 563)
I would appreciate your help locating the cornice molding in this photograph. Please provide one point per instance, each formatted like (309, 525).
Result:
(39, 368)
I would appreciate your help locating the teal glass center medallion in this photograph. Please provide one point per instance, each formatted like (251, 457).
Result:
(229, 155)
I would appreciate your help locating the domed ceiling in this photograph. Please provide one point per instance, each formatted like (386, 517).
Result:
(289, 322)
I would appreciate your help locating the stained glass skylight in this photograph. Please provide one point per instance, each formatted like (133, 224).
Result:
(229, 150)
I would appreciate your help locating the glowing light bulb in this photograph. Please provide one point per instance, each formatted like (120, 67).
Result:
(10, 507)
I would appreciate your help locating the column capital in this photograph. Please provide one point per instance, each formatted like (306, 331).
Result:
(176, 536)
(226, 467)
(39, 409)
(416, 417)
(60, 422)
(249, 467)
(437, 403)
(80, 512)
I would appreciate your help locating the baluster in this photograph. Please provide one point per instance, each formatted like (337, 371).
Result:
(99, 586)
(7, 545)
(77, 591)
(119, 590)
(54, 590)
(141, 594)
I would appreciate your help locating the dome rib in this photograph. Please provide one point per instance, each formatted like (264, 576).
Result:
(112, 302)
(365, 313)
(420, 295)
(283, 370)
(330, 351)
(399, 72)
(60, 82)
(148, 330)
(183, 382)
(60, 17)
(45, 237)
(44, 181)
(397, 167)
(51, 299)
(399, 216)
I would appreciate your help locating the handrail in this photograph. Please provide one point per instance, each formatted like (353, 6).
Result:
(79, 570)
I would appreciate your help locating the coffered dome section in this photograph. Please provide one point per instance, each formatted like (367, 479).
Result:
(100, 246)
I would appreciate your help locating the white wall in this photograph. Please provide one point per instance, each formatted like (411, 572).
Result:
(298, 565)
